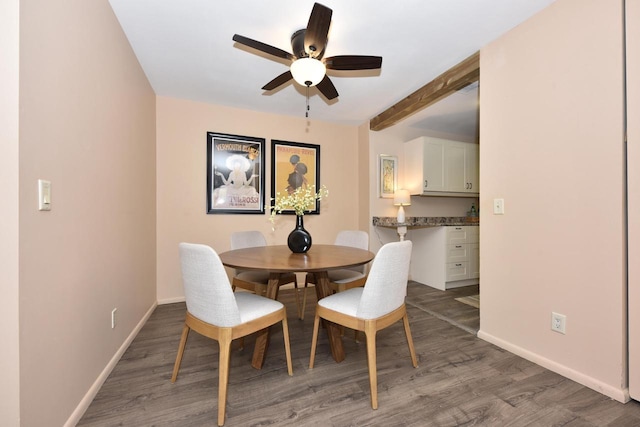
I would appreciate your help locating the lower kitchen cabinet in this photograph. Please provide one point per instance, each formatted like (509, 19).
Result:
(446, 257)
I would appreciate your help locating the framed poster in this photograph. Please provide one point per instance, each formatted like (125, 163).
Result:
(294, 165)
(235, 174)
(387, 176)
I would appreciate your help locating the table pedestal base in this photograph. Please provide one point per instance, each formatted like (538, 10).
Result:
(333, 331)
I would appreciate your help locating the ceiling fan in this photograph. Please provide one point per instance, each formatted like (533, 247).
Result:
(308, 67)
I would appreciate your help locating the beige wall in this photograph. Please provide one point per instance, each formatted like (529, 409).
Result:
(87, 124)
(551, 125)
(181, 180)
(633, 164)
(9, 220)
(364, 178)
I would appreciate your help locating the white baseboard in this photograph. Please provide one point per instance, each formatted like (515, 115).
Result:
(619, 394)
(171, 300)
(95, 387)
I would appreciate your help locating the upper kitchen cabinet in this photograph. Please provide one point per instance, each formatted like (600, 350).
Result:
(439, 167)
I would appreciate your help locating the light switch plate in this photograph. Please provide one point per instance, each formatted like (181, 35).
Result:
(498, 206)
(44, 195)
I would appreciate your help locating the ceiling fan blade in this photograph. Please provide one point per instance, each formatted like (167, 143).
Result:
(315, 39)
(263, 47)
(353, 62)
(327, 88)
(280, 80)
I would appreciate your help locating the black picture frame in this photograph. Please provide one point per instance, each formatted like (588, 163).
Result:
(288, 172)
(235, 174)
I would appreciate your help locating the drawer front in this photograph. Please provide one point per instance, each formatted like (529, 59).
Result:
(457, 271)
(457, 253)
(457, 234)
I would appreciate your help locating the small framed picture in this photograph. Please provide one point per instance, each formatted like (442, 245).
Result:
(294, 165)
(387, 176)
(235, 174)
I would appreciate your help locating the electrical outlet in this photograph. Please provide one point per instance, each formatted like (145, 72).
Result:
(559, 323)
(113, 318)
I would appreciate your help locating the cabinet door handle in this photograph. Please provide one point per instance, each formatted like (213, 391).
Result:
(458, 265)
(458, 246)
(426, 183)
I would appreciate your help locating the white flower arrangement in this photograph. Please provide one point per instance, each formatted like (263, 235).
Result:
(300, 201)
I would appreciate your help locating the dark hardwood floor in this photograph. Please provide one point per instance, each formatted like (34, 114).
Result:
(443, 305)
(461, 380)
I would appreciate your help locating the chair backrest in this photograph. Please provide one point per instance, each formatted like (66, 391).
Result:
(386, 285)
(247, 239)
(206, 286)
(355, 239)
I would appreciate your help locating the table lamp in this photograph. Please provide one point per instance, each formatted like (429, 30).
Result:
(401, 198)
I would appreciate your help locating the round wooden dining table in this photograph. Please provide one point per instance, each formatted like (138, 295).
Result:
(278, 260)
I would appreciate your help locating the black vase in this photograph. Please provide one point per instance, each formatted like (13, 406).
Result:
(299, 240)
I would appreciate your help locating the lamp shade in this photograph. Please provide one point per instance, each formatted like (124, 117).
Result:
(308, 71)
(402, 198)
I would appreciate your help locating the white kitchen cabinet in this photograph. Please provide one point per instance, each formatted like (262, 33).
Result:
(434, 166)
(472, 168)
(446, 257)
(474, 260)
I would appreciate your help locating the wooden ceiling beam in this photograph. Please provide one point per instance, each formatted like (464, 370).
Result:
(452, 80)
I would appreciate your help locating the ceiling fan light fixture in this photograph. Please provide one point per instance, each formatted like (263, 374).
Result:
(308, 71)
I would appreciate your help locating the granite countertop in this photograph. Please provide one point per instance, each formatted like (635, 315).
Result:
(425, 221)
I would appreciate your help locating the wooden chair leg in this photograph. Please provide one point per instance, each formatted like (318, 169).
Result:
(314, 340)
(370, 334)
(304, 299)
(407, 332)
(181, 346)
(304, 292)
(287, 346)
(223, 372)
(298, 306)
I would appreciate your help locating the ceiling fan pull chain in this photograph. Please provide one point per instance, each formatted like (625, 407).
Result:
(306, 114)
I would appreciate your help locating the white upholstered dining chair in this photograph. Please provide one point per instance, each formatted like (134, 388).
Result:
(380, 303)
(344, 278)
(215, 311)
(256, 281)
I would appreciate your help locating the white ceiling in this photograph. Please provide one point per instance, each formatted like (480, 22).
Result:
(186, 51)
